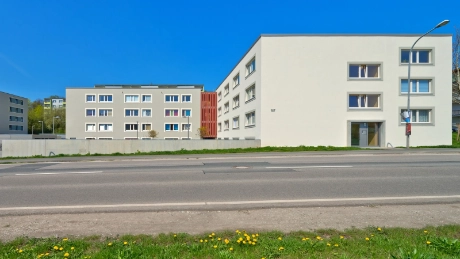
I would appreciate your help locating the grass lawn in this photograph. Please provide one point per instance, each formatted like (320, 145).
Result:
(373, 242)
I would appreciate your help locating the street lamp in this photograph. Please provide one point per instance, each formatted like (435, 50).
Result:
(42, 125)
(56, 117)
(188, 127)
(32, 129)
(408, 120)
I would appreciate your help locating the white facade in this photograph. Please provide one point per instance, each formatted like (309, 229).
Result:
(307, 89)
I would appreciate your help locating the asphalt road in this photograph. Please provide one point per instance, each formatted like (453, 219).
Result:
(230, 182)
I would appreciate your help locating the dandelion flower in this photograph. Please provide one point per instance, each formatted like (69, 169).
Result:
(210, 236)
(281, 248)
(215, 246)
(257, 235)
(379, 229)
(303, 239)
(56, 248)
(253, 235)
(205, 240)
(237, 231)
(280, 238)
(109, 244)
(72, 248)
(61, 248)
(425, 231)
(20, 250)
(175, 235)
(218, 239)
(66, 255)
(341, 237)
(201, 240)
(231, 249)
(65, 239)
(428, 242)
(318, 237)
(336, 245)
(328, 244)
(367, 239)
(226, 241)
(125, 243)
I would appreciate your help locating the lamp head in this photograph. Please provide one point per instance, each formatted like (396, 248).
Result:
(57, 117)
(442, 23)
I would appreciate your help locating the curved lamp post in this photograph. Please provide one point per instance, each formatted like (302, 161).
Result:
(408, 121)
(57, 117)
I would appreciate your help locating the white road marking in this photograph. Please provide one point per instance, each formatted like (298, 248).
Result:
(299, 167)
(94, 172)
(228, 203)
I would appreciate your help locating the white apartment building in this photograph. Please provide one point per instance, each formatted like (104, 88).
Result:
(338, 90)
(13, 114)
(131, 111)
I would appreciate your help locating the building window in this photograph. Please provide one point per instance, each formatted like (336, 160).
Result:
(417, 86)
(226, 90)
(418, 116)
(357, 71)
(146, 113)
(418, 56)
(236, 102)
(105, 127)
(15, 118)
(236, 122)
(90, 98)
(146, 98)
(105, 112)
(171, 127)
(90, 127)
(219, 111)
(172, 98)
(250, 119)
(236, 80)
(219, 127)
(16, 110)
(15, 127)
(186, 113)
(90, 112)
(186, 98)
(171, 138)
(131, 113)
(226, 125)
(226, 107)
(250, 93)
(186, 127)
(251, 67)
(219, 96)
(146, 126)
(131, 126)
(106, 138)
(105, 98)
(171, 113)
(131, 98)
(363, 101)
(16, 101)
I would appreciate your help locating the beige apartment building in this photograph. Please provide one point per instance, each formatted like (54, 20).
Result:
(338, 90)
(13, 114)
(131, 111)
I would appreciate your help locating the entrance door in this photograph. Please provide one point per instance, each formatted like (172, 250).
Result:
(365, 134)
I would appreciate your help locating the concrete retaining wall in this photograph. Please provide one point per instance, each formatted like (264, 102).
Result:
(50, 147)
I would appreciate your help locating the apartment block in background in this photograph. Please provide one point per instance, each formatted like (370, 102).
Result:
(131, 111)
(13, 114)
(54, 103)
(338, 90)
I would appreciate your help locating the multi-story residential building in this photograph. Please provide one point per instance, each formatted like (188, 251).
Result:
(131, 111)
(13, 114)
(338, 90)
(54, 103)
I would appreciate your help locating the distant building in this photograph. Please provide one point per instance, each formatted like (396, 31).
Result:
(131, 111)
(338, 90)
(54, 103)
(13, 114)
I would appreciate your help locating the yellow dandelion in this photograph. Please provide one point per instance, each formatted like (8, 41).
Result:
(328, 244)
(254, 240)
(226, 241)
(248, 238)
(238, 241)
(47, 254)
(367, 239)
(372, 235)
(244, 242)
(425, 231)
(257, 235)
(109, 244)
(72, 248)
(56, 248)
(303, 239)
(125, 243)
(215, 246)
(280, 238)
(65, 239)
(318, 237)
(218, 239)
(253, 243)
(237, 231)
(231, 249)
(253, 235)
(61, 248)
(201, 240)
(66, 255)
(20, 250)
(341, 237)
(336, 245)
(428, 242)
(281, 248)
(210, 236)
(205, 240)
(213, 234)
(379, 229)
(175, 235)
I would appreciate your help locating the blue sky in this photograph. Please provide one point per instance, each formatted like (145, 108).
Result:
(46, 46)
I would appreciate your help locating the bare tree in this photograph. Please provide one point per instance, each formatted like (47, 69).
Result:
(456, 61)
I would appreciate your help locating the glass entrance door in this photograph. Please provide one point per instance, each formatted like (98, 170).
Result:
(365, 134)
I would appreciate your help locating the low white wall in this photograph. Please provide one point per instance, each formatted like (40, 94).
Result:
(50, 147)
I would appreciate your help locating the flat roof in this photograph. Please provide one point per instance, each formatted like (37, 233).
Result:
(143, 86)
(13, 95)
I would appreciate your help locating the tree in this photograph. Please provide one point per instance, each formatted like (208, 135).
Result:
(153, 133)
(59, 123)
(456, 60)
(202, 132)
(34, 116)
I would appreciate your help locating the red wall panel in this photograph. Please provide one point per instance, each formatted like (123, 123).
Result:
(209, 113)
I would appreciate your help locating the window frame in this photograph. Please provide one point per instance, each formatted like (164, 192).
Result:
(380, 101)
(226, 125)
(99, 98)
(236, 82)
(182, 127)
(145, 123)
(219, 96)
(99, 112)
(131, 109)
(95, 112)
(249, 65)
(89, 123)
(431, 85)
(253, 86)
(186, 109)
(431, 116)
(126, 95)
(185, 95)
(226, 107)
(142, 98)
(365, 63)
(171, 109)
(431, 56)
(236, 102)
(238, 122)
(170, 123)
(146, 109)
(86, 98)
(177, 95)
(226, 89)
(247, 121)
(130, 123)
(104, 123)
